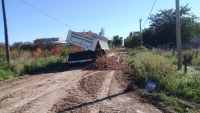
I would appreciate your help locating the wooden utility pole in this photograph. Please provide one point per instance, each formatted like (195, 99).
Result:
(6, 32)
(178, 34)
(140, 32)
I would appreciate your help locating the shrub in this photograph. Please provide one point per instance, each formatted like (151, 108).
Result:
(6, 74)
(14, 54)
(158, 68)
(15, 67)
(66, 51)
(196, 62)
(37, 52)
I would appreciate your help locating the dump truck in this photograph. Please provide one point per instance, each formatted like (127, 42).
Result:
(93, 46)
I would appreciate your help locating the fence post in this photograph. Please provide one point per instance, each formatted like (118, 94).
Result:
(196, 53)
(173, 51)
(185, 63)
(36, 61)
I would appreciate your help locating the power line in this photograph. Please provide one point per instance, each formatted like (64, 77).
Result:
(149, 13)
(49, 15)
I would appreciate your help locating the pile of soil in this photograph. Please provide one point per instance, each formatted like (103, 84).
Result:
(93, 83)
(104, 63)
(73, 103)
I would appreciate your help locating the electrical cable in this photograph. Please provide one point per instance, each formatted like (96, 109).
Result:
(149, 13)
(49, 15)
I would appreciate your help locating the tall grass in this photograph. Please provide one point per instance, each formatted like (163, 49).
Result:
(41, 64)
(25, 62)
(160, 68)
(6, 72)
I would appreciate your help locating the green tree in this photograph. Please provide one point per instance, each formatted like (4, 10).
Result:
(102, 33)
(17, 45)
(117, 41)
(162, 28)
(39, 41)
(132, 41)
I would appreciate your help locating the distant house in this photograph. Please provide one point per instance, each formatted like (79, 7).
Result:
(53, 39)
(196, 42)
(58, 40)
(136, 33)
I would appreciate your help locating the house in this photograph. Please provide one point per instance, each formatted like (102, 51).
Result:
(54, 39)
(58, 40)
(136, 33)
(196, 42)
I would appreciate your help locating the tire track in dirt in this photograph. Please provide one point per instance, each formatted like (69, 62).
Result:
(103, 92)
(105, 86)
(20, 83)
(37, 105)
(74, 91)
(37, 90)
(85, 96)
(35, 83)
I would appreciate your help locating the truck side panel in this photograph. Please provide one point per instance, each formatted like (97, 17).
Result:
(83, 41)
(84, 56)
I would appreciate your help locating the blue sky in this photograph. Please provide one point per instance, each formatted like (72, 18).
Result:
(117, 17)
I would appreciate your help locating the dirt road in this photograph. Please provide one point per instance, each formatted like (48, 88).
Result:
(98, 88)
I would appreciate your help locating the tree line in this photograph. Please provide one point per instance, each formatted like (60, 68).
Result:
(162, 29)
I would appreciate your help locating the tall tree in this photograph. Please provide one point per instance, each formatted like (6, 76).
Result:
(132, 41)
(117, 41)
(39, 41)
(102, 33)
(17, 45)
(162, 28)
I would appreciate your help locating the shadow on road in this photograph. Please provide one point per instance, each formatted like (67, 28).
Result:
(92, 102)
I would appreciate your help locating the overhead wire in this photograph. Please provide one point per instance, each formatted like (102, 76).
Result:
(49, 15)
(149, 13)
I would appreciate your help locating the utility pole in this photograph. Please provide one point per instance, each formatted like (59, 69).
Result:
(140, 32)
(6, 33)
(178, 34)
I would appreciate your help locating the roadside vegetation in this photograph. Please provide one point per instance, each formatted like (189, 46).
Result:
(175, 88)
(115, 44)
(157, 59)
(27, 58)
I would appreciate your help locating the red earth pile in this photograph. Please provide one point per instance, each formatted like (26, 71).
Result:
(105, 64)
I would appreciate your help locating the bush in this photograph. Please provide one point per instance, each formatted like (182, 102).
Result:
(66, 51)
(41, 64)
(162, 70)
(196, 62)
(189, 58)
(15, 67)
(158, 68)
(6, 74)
(33, 58)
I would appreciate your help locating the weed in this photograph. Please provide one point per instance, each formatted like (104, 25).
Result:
(6, 74)
(176, 86)
(15, 67)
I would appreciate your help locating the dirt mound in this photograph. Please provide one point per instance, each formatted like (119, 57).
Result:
(73, 103)
(93, 83)
(104, 63)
